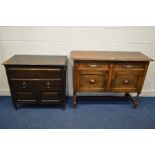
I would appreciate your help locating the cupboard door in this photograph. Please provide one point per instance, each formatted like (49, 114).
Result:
(92, 81)
(25, 97)
(126, 83)
(51, 97)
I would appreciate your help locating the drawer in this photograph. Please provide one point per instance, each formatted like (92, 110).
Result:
(25, 97)
(36, 97)
(126, 83)
(92, 82)
(51, 97)
(55, 84)
(93, 65)
(32, 73)
(129, 66)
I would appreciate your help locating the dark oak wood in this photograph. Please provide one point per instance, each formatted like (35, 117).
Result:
(120, 72)
(37, 80)
(43, 60)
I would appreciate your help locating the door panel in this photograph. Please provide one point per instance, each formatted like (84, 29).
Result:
(92, 81)
(125, 83)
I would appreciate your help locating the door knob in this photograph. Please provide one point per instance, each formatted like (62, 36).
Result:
(48, 84)
(128, 66)
(126, 81)
(92, 81)
(92, 65)
(24, 84)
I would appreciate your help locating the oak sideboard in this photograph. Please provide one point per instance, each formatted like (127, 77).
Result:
(100, 71)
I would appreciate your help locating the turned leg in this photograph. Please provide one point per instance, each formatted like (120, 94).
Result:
(63, 107)
(64, 102)
(134, 100)
(74, 101)
(17, 106)
(75, 83)
(126, 95)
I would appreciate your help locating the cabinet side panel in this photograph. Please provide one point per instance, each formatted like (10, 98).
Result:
(143, 77)
(11, 89)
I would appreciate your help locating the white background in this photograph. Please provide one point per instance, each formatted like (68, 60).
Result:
(77, 13)
(60, 40)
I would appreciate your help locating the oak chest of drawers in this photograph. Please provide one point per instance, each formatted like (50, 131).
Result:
(122, 72)
(37, 80)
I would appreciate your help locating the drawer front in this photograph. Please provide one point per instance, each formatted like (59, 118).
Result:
(129, 66)
(55, 84)
(126, 83)
(33, 73)
(25, 97)
(51, 97)
(93, 65)
(39, 97)
(94, 82)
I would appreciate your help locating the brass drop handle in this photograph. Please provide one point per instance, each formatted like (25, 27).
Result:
(128, 66)
(126, 81)
(48, 84)
(24, 84)
(92, 81)
(92, 65)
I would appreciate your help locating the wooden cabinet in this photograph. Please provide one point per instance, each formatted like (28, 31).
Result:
(37, 80)
(122, 72)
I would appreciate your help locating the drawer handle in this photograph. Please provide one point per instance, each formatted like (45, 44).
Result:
(92, 65)
(48, 84)
(128, 66)
(92, 81)
(126, 81)
(23, 84)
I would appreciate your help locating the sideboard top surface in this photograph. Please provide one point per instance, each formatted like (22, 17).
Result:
(37, 60)
(109, 56)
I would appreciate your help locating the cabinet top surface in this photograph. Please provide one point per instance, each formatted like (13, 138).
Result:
(37, 60)
(109, 56)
